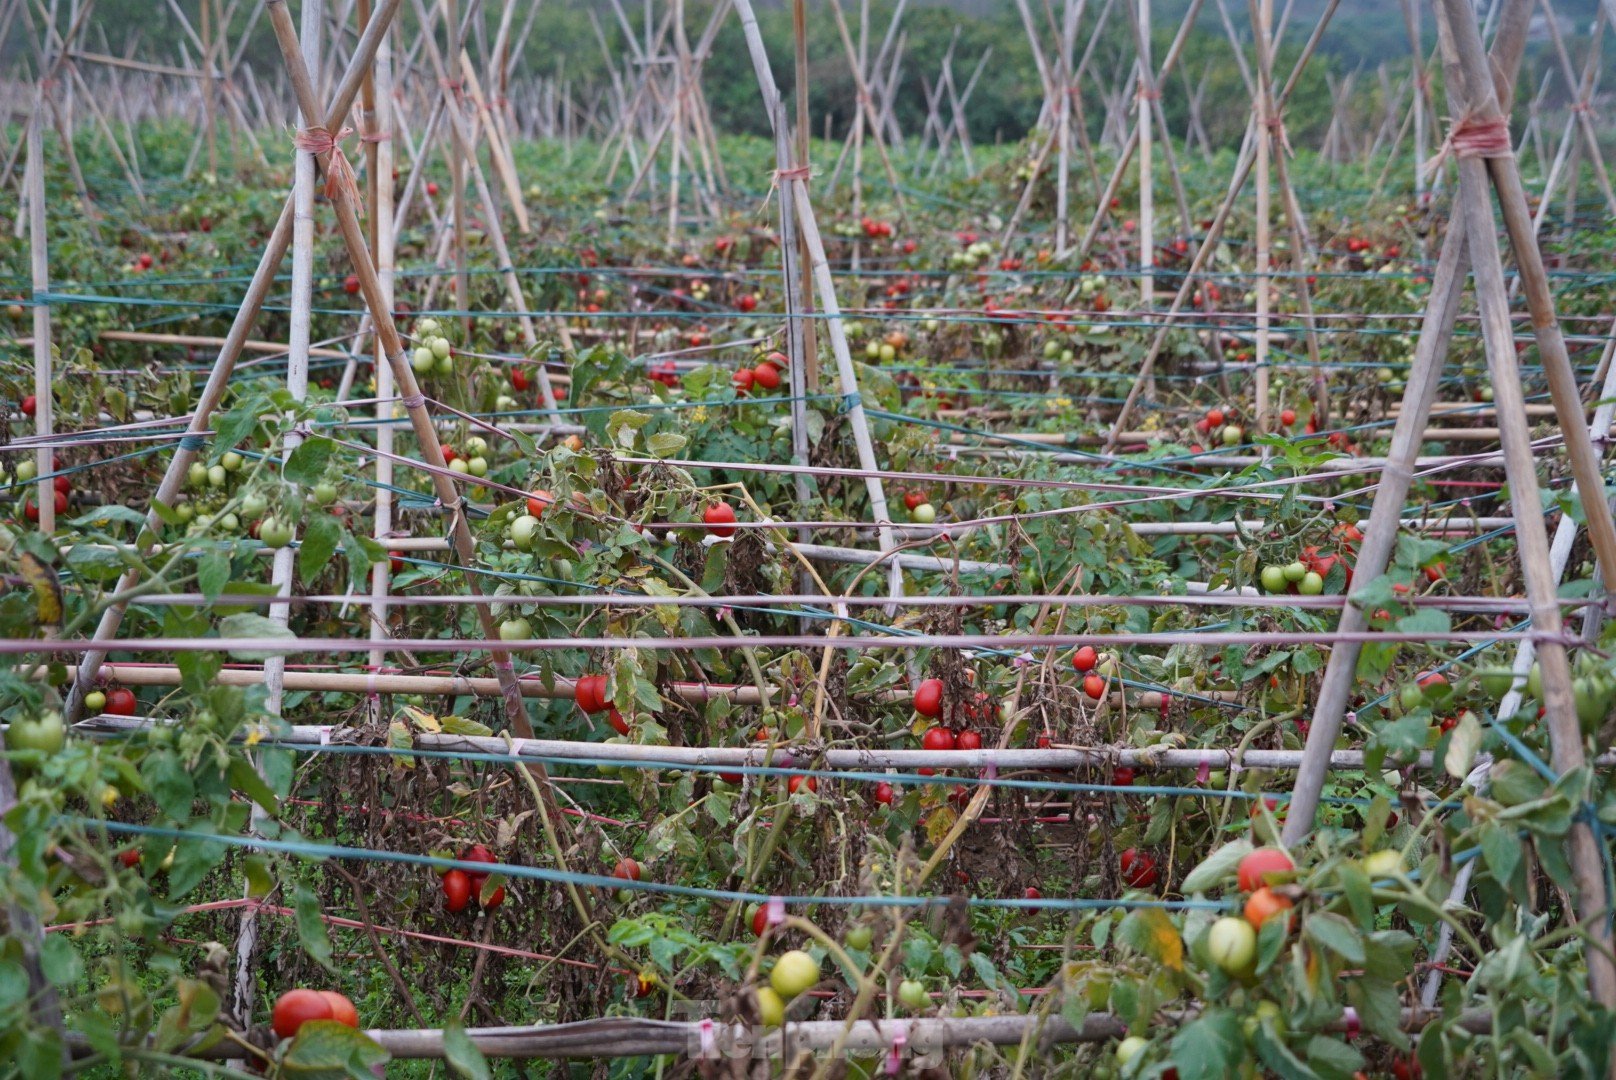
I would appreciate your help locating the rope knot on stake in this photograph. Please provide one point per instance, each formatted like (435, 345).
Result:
(1474, 136)
(339, 175)
(1152, 94)
(1276, 128)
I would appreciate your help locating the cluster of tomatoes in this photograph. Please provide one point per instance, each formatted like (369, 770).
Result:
(295, 1008)
(1219, 423)
(119, 701)
(1086, 662)
(918, 503)
(590, 694)
(27, 471)
(461, 887)
(764, 375)
(665, 372)
(875, 230)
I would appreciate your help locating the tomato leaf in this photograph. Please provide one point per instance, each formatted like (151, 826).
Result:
(259, 628)
(321, 535)
(306, 465)
(1216, 867)
(311, 929)
(463, 1056)
(1335, 933)
(1209, 1047)
(327, 1050)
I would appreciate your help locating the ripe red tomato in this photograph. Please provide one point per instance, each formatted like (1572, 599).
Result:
(518, 379)
(479, 854)
(720, 518)
(432, 188)
(1406, 1068)
(1138, 869)
(747, 302)
(342, 1010)
(1085, 658)
(64, 486)
(1094, 687)
(937, 738)
(884, 794)
(1032, 893)
(968, 740)
(1288, 417)
(766, 376)
(120, 702)
(743, 380)
(494, 899)
(914, 498)
(800, 781)
(1254, 868)
(929, 697)
(1214, 418)
(295, 1008)
(456, 890)
(350, 284)
(760, 920)
(590, 693)
(1122, 776)
(627, 869)
(538, 501)
(615, 718)
(129, 857)
(1264, 904)
(30, 405)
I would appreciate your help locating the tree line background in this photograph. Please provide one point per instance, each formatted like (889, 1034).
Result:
(1362, 35)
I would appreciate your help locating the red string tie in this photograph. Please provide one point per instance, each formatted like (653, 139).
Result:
(1153, 94)
(339, 175)
(796, 172)
(1276, 128)
(376, 137)
(1473, 137)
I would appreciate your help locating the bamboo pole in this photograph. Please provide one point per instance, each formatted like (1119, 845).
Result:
(218, 379)
(1471, 93)
(382, 517)
(39, 266)
(854, 760)
(1267, 121)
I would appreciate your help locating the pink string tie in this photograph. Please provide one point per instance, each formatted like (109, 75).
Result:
(339, 175)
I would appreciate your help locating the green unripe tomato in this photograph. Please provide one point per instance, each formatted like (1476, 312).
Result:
(924, 514)
(253, 504)
(423, 361)
(95, 701)
(477, 466)
(1311, 584)
(912, 993)
(197, 474)
(1411, 696)
(1383, 863)
(274, 532)
(793, 973)
(217, 476)
(426, 328)
(325, 493)
(229, 523)
(26, 471)
(1233, 435)
(517, 629)
(522, 531)
(1534, 681)
(1273, 579)
(476, 446)
(185, 512)
(1231, 944)
(1130, 1048)
(440, 348)
(232, 461)
(858, 937)
(46, 733)
(771, 1008)
(444, 366)
(459, 465)
(1295, 571)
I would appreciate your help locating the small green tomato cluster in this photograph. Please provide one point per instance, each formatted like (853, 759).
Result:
(1278, 579)
(433, 355)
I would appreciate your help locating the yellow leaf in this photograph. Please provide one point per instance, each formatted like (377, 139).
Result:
(47, 589)
(1163, 942)
(938, 822)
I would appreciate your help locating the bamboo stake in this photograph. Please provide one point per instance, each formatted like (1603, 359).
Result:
(218, 379)
(1143, 124)
(1262, 29)
(39, 266)
(1471, 89)
(382, 517)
